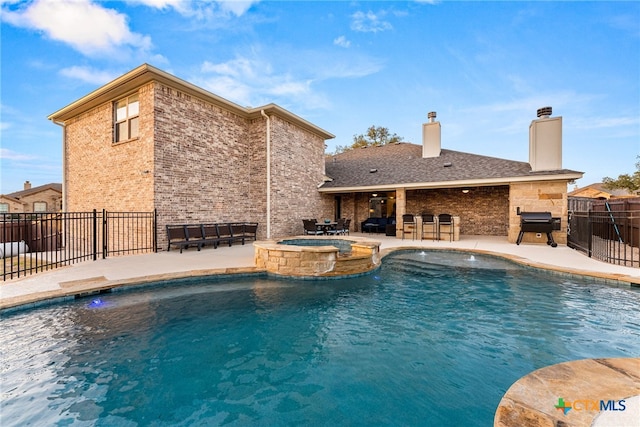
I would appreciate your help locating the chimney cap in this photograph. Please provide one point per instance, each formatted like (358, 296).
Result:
(431, 115)
(544, 112)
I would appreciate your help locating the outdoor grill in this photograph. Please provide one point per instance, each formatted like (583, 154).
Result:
(537, 222)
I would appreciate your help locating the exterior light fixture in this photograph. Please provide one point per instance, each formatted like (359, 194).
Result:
(465, 190)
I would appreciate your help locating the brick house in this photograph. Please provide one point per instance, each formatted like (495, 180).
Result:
(43, 198)
(484, 192)
(149, 140)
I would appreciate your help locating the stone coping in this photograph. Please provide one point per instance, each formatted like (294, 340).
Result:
(364, 242)
(96, 285)
(533, 400)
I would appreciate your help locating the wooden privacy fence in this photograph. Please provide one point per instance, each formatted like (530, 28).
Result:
(34, 242)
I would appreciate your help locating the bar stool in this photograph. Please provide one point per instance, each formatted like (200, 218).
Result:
(409, 226)
(429, 225)
(445, 220)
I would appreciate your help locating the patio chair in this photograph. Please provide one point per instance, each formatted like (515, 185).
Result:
(310, 227)
(408, 225)
(338, 229)
(445, 221)
(347, 224)
(429, 226)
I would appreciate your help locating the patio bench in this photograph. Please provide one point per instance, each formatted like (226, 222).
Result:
(242, 231)
(199, 235)
(184, 235)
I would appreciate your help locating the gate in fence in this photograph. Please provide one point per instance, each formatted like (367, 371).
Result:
(34, 242)
(606, 234)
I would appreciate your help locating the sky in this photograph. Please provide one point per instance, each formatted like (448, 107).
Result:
(484, 67)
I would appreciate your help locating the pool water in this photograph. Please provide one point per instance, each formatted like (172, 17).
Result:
(342, 245)
(430, 339)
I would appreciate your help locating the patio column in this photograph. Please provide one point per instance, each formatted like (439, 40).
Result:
(401, 209)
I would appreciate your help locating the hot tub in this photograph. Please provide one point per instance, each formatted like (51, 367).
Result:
(310, 256)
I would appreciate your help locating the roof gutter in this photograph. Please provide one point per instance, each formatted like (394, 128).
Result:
(268, 173)
(64, 164)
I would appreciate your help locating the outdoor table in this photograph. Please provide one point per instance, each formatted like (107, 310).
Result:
(326, 225)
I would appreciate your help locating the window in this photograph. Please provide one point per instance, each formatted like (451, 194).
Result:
(126, 118)
(39, 206)
(4, 207)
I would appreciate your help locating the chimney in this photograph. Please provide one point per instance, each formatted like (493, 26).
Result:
(431, 137)
(27, 185)
(545, 142)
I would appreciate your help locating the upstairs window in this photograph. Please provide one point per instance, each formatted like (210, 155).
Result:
(126, 118)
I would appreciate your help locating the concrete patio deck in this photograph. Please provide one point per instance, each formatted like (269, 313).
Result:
(525, 404)
(115, 271)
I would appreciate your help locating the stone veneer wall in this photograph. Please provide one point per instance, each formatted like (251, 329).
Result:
(103, 175)
(548, 196)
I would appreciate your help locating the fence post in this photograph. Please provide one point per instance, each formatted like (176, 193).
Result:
(590, 234)
(95, 235)
(105, 232)
(155, 230)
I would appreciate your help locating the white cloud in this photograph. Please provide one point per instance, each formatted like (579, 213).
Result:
(342, 42)
(88, 75)
(252, 81)
(201, 9)
(87, 27)
(6, 154)
(369, 22)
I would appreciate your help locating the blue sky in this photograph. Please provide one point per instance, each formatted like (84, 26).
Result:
(484, 67)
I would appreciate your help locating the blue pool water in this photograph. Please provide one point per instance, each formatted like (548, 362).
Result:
(342, 245)
(430, 339)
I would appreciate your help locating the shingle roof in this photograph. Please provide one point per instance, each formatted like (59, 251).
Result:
(22, 193)
(398, 164)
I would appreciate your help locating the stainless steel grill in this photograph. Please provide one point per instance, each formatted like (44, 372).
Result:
(537, 222)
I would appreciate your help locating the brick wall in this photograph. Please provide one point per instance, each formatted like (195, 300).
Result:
(195, 162)
(297, 169)
(104, 175)
(203, 161)
(482, 211)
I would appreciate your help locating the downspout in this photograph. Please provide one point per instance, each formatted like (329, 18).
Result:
(268, 173)
(64, 164)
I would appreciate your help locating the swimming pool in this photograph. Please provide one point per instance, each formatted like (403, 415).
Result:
(431, 338)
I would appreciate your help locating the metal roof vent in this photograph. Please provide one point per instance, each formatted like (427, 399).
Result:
(431, 116)
(544, 112)
(373, 170)
(447, 165)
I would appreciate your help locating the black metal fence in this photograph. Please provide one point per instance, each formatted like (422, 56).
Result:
(35, 242)
(612, 236)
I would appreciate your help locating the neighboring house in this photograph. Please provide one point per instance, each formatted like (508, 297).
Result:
(485, 192)
(149, 140)
(599, 191)
(43, 198)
